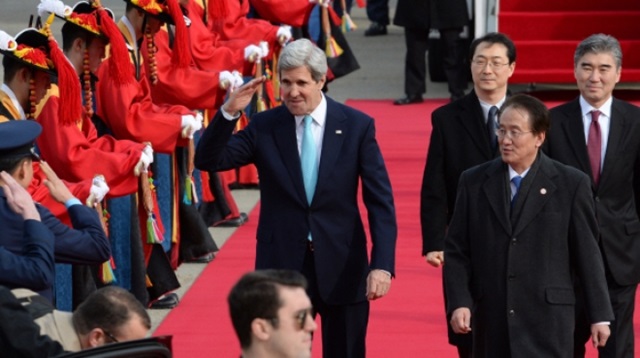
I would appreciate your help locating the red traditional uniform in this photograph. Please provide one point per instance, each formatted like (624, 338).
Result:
(186, 86)
(235, 25)
(76, 153)
(208, 50)
(129, 111)
(290, 12)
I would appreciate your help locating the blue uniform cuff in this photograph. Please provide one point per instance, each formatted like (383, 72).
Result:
(71, 202)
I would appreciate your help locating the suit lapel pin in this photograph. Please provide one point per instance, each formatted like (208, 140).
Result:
(338, 131)
(543, 191)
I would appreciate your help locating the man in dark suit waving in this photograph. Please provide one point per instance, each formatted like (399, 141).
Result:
(523, 225)
(600, 135)
(311, 155)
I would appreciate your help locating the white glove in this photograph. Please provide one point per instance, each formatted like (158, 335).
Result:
(187, 21)
(252, 53)
(191, 124)
(284, 34)
(238, 80)
(7, 42)
(98, 191)
(264, 50)
(146, 158)
(148, 150)
(230, 80)
(57, 7)
(226, 79)
(323, 3)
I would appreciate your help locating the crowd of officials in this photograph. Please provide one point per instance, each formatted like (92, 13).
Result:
(117, 149)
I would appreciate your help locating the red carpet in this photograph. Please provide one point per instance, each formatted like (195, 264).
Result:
(409, 322)
(546, 34)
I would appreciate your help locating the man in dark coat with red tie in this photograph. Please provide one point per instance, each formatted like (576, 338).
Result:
(600, 135)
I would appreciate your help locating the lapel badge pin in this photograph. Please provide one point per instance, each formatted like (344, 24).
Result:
(338, 131)
(543, 191)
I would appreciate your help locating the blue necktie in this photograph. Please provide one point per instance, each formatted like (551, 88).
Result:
(516, 182)
(309, 159)
(491, 127)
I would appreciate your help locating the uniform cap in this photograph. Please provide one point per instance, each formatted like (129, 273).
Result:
(31, 47)
(17, 138)
(85, 17)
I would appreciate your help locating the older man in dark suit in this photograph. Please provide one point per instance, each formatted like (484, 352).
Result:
(311, 155)
(463, 136)
(523, 225)
(600, 135)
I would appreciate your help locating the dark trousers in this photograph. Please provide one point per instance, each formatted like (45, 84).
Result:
(415, 63)
(344, 327)
(337, 7)
(453, 61)
(378, 11)
(621, 342)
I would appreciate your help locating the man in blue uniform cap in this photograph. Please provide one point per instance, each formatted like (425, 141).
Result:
(86, 243)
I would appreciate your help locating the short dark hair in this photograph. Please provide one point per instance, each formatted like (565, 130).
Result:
(10, 165)
(494, 38)
(256, 295)
(71, 32)
(108, 308)
(538, 112)
(11, 67)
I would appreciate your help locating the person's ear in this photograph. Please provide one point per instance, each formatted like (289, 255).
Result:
(322, 81)
(22, 171)
(96, 338)
(24, 74)
(261, 329)
(78, 44)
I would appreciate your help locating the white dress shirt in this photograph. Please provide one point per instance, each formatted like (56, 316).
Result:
(604, 120)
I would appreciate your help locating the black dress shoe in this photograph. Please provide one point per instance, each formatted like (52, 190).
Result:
(376, 29)
(166, 302)
(233, 222)
(408, 100)
(203, 259)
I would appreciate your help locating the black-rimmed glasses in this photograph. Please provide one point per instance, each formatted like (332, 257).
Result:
(511, 134)
(482, 63)
(111, 336)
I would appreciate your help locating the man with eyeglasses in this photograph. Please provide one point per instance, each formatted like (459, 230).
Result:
(600, 135)
(272, 314)
(109, 315)
(463, 136)
(524, 225)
